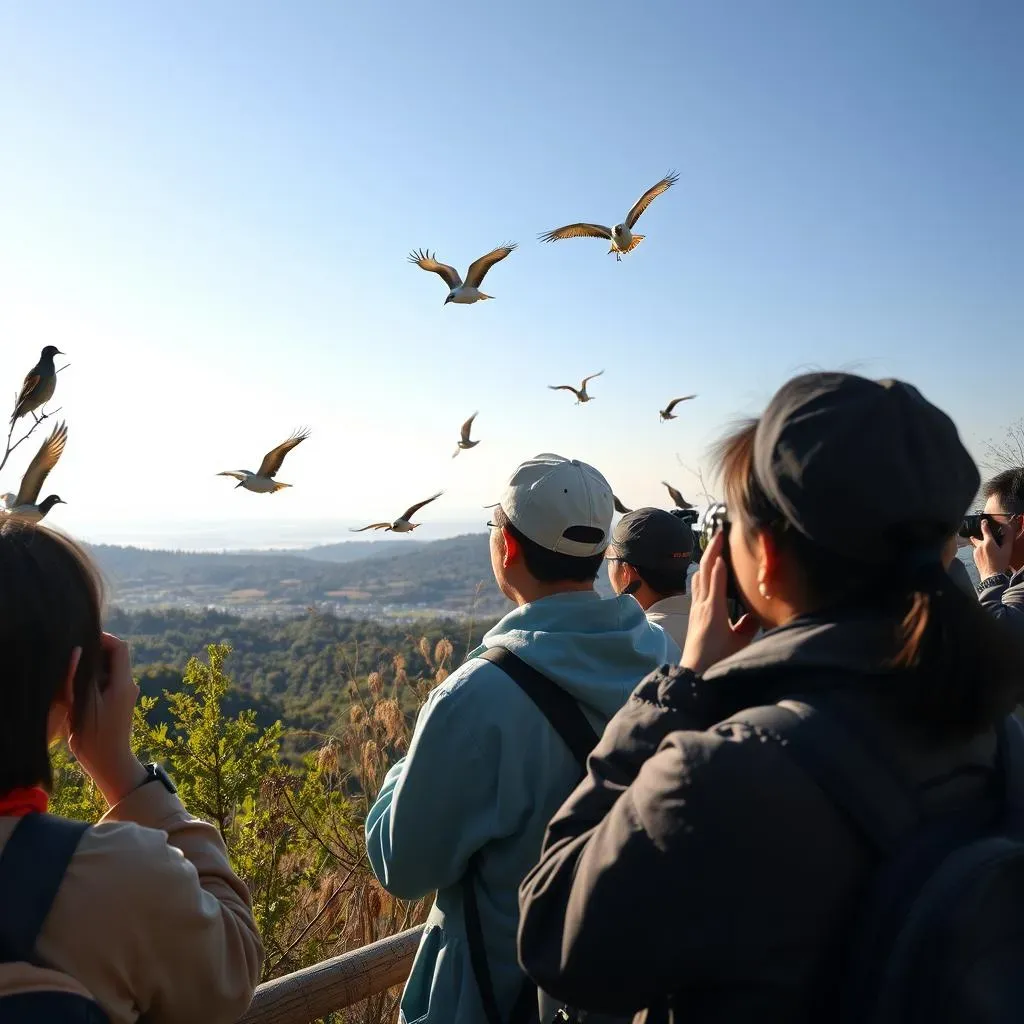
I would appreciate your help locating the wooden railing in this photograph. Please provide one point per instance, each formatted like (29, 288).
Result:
(334, 984)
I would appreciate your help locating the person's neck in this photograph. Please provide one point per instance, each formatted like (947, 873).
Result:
(645, 597)
(535, 590)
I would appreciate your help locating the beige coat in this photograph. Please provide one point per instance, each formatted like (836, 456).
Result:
(150, 919)
(673, 615)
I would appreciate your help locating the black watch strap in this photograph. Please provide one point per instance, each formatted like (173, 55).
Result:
(997, 579)
(156, 773)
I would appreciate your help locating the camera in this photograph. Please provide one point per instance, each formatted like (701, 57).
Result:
(971, 527)
(715, 518)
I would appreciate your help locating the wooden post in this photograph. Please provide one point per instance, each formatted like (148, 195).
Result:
(333, 984)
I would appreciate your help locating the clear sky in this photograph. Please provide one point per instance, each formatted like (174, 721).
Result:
(208, 207)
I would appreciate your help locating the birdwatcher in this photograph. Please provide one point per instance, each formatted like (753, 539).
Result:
(140, 916)
(999, 553)
(649, 557)
(500, 744)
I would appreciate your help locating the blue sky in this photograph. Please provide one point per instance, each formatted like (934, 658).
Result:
(208, 207)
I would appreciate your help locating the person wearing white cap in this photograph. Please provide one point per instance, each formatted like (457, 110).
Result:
(464, 812)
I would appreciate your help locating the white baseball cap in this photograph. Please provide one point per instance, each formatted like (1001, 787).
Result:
(548, 494)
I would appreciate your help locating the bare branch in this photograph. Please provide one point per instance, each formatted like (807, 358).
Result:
(1007, 453)
(10, 447)
(699, 474)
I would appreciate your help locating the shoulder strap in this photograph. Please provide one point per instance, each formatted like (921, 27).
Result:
(879, 804)
(566, 718)
(564, 714)
(32, 866)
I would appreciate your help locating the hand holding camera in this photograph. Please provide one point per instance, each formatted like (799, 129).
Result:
(992, 542)
(102, 743)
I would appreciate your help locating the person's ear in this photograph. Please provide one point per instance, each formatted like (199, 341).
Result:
(766, 550)
(512, 550)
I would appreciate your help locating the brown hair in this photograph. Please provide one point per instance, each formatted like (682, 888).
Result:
(957, 669)
(50, 603)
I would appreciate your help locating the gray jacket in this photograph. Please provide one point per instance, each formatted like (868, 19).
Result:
(1005, 601)
(696, 872)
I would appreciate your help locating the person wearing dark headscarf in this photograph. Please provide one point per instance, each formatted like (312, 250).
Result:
(697, 873)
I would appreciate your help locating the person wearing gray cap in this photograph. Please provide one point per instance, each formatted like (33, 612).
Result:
(464, 812)
(649, 557)
(757, 823)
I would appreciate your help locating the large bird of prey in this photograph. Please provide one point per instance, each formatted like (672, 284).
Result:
(464, 441)
(39, 385)
(667, 413)
(403, 523)
(459, 291)
(262, 481)
(581, 392)
(679, 500)
(25, 504)
(621, 236)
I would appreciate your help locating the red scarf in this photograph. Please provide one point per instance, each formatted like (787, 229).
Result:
(16, 803)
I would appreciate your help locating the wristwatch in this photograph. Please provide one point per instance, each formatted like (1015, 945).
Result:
(156, 773)
(995, 580)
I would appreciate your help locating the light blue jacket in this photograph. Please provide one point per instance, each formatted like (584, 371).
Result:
(485, 771)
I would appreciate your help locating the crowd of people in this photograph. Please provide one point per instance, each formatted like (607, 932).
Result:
(769, 799)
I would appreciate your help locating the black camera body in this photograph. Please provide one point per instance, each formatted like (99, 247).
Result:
(971, 527)
(714, 519)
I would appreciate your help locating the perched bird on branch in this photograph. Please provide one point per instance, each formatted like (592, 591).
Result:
(39, 385)
(464, 441)
(679, 500)
(621, 236)
(667, 413)
(403, 523)
(25, 504)
(581, 393)
(462, 293)
(262, 481)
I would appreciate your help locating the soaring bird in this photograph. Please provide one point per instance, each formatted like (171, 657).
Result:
(581, 394)
(262, 481)
(465, 441)
(680, 501)
(460, 292)
(403, 523)
(621, 237)
(24, 504)
(39, 385)
(619, 507)
(666, 413)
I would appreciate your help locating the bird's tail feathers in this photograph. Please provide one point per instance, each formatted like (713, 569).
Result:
(278, 486)
(636, 240)
(483, 296)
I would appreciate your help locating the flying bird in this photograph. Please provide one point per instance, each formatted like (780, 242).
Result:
(403, 523)
(39, 385)
(468, 291)
(465, 442)
(680, 501)
(25, 504)
(666, 413)
(581, 394)
(621, 237)
(619, 507)
(262, 481)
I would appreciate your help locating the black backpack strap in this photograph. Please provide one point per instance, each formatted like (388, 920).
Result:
(568, 720)
(557, 706)
(32, 867)
(878, 803)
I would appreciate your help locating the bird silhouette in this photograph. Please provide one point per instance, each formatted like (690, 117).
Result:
(262, 481)
(619, 507)
(581, 392)
(621, 236)
(38, 386)
(459, 292)
(679, 500)
(403, 523)
(667, 413)
(464, 441)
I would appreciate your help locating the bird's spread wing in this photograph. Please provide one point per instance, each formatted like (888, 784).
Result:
(649, 196)
(413, 509)
(272, 460)
(467, 427)
(564, 387)
(675, 401)
(577, 231)
(680, 501)
(46, 458)
(619, 507)
(591, 377)
(478, 268)
(238, 474)
(425, 259)
(31, 383)
(372, 526)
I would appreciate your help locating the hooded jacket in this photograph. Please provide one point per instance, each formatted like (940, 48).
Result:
(697, 874)
(485, 772)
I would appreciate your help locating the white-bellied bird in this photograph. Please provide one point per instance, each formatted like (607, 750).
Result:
(26, 504)
(403, 524)
(262, 481)
(581, 391)
(462, 292)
